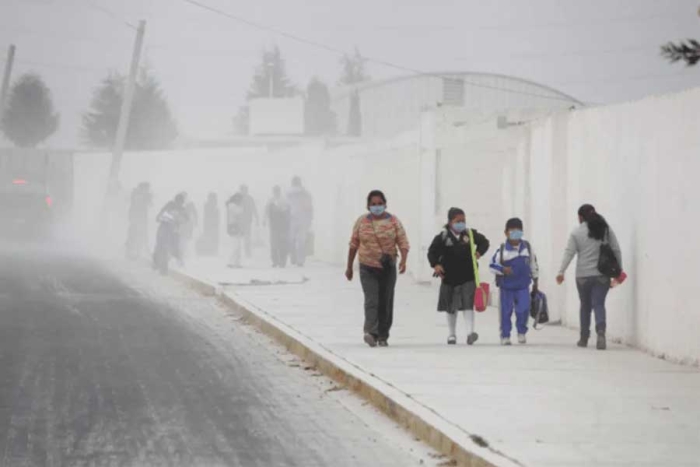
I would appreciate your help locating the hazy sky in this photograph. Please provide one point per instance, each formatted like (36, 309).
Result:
(599, 51)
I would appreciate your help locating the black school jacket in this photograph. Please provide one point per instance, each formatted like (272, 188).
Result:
(454, 254)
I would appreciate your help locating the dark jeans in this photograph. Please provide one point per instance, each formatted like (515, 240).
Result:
(167, 245)
(378, 286)
(279, 246)
(592, 292)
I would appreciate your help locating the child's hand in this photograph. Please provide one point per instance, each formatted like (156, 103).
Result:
(507, 270)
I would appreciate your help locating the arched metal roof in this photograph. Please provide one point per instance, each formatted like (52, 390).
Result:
(551, 92)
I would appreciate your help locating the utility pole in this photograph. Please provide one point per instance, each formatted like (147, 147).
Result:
(7, 76)
(125, 112)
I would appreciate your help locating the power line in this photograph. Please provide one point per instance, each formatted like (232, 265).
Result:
(337, 51)
(110, 13)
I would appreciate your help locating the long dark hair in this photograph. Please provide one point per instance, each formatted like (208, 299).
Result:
(597, 225)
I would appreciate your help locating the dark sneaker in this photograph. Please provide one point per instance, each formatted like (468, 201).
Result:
(452, 340)
(601, 344)
(471, 338)
(582, 343)
(383, 343)
(370, 340)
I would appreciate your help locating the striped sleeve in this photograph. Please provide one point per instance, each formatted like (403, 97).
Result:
(495, 265)
(355, 238)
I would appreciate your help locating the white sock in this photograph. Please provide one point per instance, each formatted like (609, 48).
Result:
(469, 320)
(452, 323)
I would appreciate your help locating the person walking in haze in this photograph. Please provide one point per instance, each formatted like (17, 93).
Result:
(450, 256)
(277, 217)
(187, 231)
(137, 237)
(301, 212)
(208, 243)
(376, 237)
(250, 214)
(585, 241)
(170, 220)
(515, 266)
(235, 221)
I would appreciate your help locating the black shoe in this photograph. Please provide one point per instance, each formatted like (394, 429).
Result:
(471, 338)
(582, 343)
(383, 343)
(370, 340)
(452, 340)
(601, 344)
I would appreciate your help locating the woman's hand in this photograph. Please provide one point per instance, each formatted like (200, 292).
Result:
(349, 273)
(560, 279)
(402, 266)
(439, 271)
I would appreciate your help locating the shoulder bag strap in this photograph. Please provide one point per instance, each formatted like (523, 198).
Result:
(376, 237)
(474, 265)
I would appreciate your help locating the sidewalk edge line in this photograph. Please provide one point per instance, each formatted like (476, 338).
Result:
(336, 368)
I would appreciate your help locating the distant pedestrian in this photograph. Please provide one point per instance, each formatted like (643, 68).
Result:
(137, 237)
(376, 237)
(170, 220)
(235, 221)
(450, 256)
(277, 217)
(593, 286)
(187, 231)
(515, 267)
(208, 243)
(250, 215)
(301, 217)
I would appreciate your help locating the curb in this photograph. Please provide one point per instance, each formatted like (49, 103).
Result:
(468, 450)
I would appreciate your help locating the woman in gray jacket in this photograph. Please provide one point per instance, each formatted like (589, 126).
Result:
(592, 286)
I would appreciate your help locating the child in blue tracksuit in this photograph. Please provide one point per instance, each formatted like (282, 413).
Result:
(515, 267)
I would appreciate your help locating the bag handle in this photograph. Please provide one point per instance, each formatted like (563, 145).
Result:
(474, 265)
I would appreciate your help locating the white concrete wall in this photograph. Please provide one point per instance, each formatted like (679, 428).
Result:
(636, 163)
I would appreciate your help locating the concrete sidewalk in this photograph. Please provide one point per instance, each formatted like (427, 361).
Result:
(547, 403)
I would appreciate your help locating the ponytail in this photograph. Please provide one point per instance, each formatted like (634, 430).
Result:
(597, 225)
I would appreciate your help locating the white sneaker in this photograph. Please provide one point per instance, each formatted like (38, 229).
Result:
(522, 339)
(505, 341)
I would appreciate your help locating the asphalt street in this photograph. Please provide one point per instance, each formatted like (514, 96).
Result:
(103, 364)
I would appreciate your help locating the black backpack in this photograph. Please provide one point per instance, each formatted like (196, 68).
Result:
(608, 265)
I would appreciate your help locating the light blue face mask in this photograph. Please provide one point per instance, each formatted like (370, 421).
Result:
(377, 210)
(515, 235)
(459, 227)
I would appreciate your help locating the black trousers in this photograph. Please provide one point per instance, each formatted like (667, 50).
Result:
(378, 286)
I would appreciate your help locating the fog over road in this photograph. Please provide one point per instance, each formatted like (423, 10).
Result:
(107, 364)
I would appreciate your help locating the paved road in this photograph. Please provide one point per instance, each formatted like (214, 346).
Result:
(99, 367)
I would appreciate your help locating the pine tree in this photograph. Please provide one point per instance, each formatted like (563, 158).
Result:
(353, 73)
(689, 52)
(319, 119)
(270, 80)
(151, 125)
(29, 118)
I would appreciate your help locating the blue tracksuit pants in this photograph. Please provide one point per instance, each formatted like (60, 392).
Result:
(518, 300)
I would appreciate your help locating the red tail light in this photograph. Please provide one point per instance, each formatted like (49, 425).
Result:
(49, 201)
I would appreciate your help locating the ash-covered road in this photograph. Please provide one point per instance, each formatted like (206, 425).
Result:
(103, 364)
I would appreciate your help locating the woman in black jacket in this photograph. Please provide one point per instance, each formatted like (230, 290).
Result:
(450, 256)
